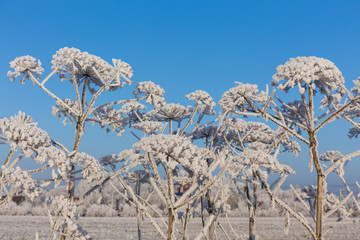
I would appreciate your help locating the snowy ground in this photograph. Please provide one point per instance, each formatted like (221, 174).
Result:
(25, 227)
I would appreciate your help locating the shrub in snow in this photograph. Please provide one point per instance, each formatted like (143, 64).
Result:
(13, 209)
(100, 211)
(127, 210)
(38, 211)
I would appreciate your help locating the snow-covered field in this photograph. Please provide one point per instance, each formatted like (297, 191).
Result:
(25, 227)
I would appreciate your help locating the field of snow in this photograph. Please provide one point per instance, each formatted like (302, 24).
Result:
(25, 227)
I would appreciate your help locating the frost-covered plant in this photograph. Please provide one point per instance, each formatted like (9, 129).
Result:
(137, 177)
(319, 73)
(192, 154)
(148, 127)
(352, 113)
(176, 155)
(203, 101)
(90, 76)
(154, 93)
(335, 162)
(22, 131)
(182, 162)
(170, 112)
(24, 66)
(66, 216)
(310, 76)
(28, 141)
(19, 181)
(23, 135)
(333, 204)
(254, 148)
(237, 98)
(73, 65)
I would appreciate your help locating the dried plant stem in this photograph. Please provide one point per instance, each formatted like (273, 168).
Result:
(8, 158)
(183, 237)
(315, 159)
(223, 230)
(336, 113)
(348, 191)
(334, 209)
(137, 203)
(210, 220)
(231, 227)
(61, 102)
(297, 216)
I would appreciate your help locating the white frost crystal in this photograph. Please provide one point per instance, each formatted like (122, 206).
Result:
(20, 181)
(35, 143)
(237, 98)
(333, 157)
(110, 118)
(254, 160)
(171, 111)
(154, 92)
(286, 141)
(307, 70)
(175, 150)
(25, 65)
(131, 106)
(123, 68)
(148, 127)
(356, 89)
(202, 97)
(21, 130)
(205, 132)
(254, 142)
(66, 209)
(248, 132)
(62, 112)
(92, 169)
(71, 61)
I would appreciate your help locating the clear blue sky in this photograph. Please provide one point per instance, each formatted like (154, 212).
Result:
(182, 46)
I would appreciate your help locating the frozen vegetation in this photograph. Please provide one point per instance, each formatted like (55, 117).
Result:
(26, 228)
(109, 203)
(191, 169)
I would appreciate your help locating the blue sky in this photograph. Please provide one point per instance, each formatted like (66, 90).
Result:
(182, 46)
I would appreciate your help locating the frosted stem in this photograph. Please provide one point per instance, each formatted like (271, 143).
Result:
(223, 230)
(334, 114)
(48, 77)
(205, 228)
(58, 100)
(333, 209)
